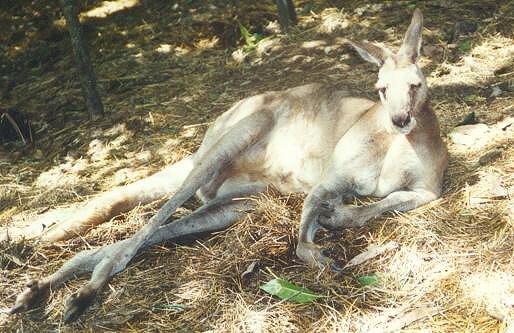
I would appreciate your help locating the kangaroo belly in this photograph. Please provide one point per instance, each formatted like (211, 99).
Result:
(292, 157)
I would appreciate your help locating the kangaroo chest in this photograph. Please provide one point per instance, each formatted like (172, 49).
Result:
(376, 164)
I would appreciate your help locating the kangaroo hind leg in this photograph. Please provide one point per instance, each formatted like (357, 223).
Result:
(212, 163)
(218, 214)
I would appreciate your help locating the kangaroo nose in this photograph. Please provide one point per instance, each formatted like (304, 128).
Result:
(401, 121)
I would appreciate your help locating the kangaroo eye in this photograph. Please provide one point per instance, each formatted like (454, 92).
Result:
(383, 92)
(415, 86)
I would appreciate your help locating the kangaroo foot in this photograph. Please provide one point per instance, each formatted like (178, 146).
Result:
(36, 291)
(78, 303)
(316, 256)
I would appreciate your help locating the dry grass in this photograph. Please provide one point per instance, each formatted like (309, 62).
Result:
(163, 80)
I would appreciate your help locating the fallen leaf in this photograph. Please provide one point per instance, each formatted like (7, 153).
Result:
(249, 270)
(370, 253)
(172, 306)
(465, 45)
(400, 322)
(287, 291)
(369, 280)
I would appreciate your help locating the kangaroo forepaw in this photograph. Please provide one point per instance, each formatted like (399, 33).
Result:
(316, 256)
(343, 216)
(78, 303)
(30, 297)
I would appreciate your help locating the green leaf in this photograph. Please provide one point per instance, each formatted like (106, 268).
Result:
(473, 98)
(248, 48)
(246, 35)
(368, 280)
(465, 45)
(288, 291)
(411, 6)
(176, 307)
(258, 37)
(465, 212)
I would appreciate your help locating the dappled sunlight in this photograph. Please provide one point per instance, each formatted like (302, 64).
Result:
(268, 45)
(299, 58)
(168, 146)
(314, 44)
(487, 191)
(376, 319)
(262, 50)
(193, 292)
(478, 137)
(333, 20)
(106, 163)
(107, 8)
(206, 43)
(181, 51)
(392, 319)
(478, 66)
(250, 318)
(414, 272)
(164, 48)
(62, 176)
(492, 291)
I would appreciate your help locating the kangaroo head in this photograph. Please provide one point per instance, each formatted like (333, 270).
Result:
(401, 85)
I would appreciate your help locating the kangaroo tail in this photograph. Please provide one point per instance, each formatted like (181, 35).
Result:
(61, 224)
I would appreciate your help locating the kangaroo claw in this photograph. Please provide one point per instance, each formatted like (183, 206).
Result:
(326, 252)
(77, 304)
(336, 267)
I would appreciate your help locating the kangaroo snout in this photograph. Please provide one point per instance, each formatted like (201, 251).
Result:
(401, 120)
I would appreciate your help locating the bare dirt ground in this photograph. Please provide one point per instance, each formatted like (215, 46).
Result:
(166, 70)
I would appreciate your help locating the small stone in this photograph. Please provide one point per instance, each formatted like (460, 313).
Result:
(463, 28)
(496, 91)
(488, 189)
(433, 51)
(38, 154)
(490, 156)
(468, 135)
(469, 119)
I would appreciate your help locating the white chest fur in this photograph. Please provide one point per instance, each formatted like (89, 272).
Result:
(296, 154)
(374, 162)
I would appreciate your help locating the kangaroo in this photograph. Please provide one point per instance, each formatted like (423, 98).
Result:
(312, 139)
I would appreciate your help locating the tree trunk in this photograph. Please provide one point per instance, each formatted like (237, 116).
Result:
(292, 12)
(82, 59)
(286, 14)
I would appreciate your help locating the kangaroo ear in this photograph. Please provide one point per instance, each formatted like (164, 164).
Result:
(411, 46)
(370, 52)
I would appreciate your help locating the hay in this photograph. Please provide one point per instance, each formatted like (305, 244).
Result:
(453, 267)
